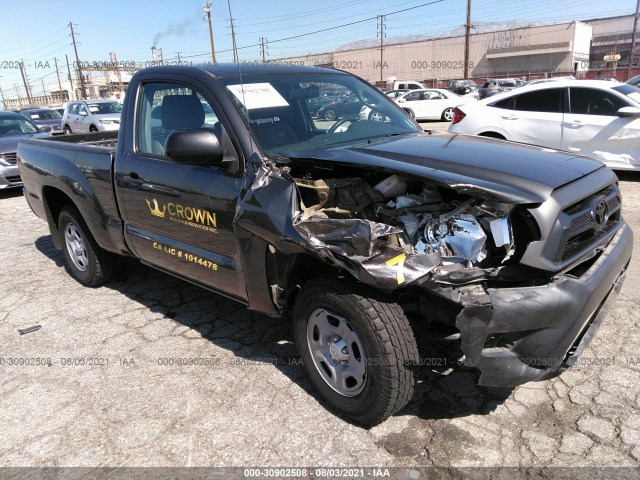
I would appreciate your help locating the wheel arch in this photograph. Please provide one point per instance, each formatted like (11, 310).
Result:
(492, 134)
(54, 201)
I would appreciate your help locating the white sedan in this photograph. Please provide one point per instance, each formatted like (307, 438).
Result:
(596, 118)
(432, 103)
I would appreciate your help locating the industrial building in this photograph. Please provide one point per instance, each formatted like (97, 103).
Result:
(584, 49)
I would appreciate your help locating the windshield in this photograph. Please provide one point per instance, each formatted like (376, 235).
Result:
(43, 114)
(104, 107)
(13, 126)
(291, 112)
(629, 90)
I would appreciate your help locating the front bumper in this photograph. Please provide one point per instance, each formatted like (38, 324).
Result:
(535, 333)
(9, 177)
(107, 127)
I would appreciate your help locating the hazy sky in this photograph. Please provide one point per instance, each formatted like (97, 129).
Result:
(37, 31)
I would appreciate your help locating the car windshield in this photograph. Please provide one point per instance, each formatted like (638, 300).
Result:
(43, 114)
(104, 107)
(283, 114)
(630, 91)
(13, 126)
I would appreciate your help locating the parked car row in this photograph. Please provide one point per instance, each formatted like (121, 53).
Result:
(597, 118)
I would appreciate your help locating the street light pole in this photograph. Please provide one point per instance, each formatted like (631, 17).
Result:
(207, 11)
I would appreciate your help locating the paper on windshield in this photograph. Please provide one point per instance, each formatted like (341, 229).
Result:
(258, 95)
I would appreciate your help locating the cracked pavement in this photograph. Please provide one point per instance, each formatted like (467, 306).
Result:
(248, 402)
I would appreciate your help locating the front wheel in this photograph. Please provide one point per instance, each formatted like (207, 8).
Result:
(85, 261)
(67, 130)
(357, 348)
(448, 115)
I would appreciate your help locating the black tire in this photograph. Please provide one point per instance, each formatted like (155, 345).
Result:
(330, 114)
(99, 265)
(93, 129)
(410, 112)
(389, 348)
(67, 130)
(447, 115)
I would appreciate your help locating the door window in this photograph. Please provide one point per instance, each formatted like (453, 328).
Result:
(591, 101)
(413, 96)
(540, 101)
(166, 108)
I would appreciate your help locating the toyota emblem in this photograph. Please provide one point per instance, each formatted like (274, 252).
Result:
(601, 214)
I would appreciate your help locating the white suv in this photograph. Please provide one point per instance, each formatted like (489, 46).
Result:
(85, 116)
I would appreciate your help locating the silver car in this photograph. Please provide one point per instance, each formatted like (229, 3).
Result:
(84, 116)
(13, 127)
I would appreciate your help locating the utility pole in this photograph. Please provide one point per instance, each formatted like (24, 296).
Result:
(633, 39)
(178, 57)
(24, 81)
(44, 93)
(59, 82)
(263, 49)
(207, 11)
(466, 40)
(73, 92)
(82, 87)
(4, 105)
(381, 26)
(233, 35)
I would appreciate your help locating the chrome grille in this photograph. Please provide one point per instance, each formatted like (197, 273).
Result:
(10, 158)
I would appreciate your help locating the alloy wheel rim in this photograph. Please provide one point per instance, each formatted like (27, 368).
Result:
(76, 247)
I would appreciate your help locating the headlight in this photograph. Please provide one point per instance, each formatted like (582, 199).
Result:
(110, 122)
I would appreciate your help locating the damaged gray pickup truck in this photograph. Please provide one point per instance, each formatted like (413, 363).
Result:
(365, 230)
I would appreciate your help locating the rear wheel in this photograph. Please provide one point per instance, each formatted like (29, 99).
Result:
(85, 261)
(330, 114)
(357, 348)
(448, 115)
(67, 130)
(376, 116)
(93, 129)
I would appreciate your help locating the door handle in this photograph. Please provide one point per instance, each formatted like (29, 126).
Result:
(509, 117)
(133, 180)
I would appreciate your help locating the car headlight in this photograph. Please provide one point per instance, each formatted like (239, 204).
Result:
(110, 122)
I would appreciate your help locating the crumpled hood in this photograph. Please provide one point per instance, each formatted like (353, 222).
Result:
(509, 172)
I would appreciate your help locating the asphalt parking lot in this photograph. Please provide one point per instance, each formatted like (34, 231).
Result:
(111, 381)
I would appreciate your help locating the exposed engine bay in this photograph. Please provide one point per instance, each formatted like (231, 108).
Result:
(462, 230)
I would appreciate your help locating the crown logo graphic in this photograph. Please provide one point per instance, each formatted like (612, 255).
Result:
(155, 210)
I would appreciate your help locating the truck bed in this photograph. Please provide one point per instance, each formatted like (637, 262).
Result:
(81, 166)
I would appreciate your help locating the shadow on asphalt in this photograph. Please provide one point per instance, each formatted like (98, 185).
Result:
(10, 193)
(445, 389)
(628, 176)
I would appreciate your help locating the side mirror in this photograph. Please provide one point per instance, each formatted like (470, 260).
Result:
(83, 113)
(629, 112)
(402, 100)
(194, 147)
